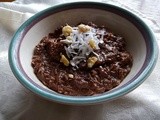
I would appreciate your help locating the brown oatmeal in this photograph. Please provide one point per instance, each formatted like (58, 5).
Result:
(103, 68)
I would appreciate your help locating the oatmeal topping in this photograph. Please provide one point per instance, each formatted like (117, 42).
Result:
(80, 42)
(83, 60)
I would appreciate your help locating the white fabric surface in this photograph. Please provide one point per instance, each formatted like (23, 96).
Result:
(18, 103)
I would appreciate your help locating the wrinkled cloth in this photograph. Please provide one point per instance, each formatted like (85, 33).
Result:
(18, 103)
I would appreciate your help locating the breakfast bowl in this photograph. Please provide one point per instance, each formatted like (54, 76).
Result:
(140, 42)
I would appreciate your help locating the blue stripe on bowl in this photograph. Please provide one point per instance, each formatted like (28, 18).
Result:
(150, 60)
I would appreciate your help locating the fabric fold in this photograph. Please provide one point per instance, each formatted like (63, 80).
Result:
(12, 19)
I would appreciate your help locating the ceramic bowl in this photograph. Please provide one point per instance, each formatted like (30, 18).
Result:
(140, 40)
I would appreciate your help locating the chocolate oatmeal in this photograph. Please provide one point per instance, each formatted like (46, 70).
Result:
(81, 61)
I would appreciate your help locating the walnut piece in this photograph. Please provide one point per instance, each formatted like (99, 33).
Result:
(91, 61)
(67, 30)
(92, 44)
(83, 28)
(64, 60)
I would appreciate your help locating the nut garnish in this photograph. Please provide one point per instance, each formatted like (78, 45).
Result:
(69, 38)
(64, 60)
(70, 76)
(91, 61)
(92, 44)
(81, 41)
(66, 30)
(83, 28)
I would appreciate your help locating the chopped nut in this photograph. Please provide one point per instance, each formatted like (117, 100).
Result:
(69, 37)
(92, 44)
(64, 60)
(66, 30)
(91, 61)
(83, 28)
(66, 41)
(70, 76)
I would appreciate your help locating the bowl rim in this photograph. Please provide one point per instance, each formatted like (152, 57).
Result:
(81, 100)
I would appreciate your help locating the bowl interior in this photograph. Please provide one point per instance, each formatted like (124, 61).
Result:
(48, 23)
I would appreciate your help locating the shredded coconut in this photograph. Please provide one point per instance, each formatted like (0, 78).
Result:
(78, 47)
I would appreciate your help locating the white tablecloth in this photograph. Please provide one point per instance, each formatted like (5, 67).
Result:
(18, 103)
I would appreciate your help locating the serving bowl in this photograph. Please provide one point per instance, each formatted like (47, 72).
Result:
(140, 40)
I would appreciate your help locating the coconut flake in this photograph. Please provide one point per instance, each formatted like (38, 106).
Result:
(78, 47)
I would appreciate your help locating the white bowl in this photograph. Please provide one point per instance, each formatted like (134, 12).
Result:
(140, 43)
